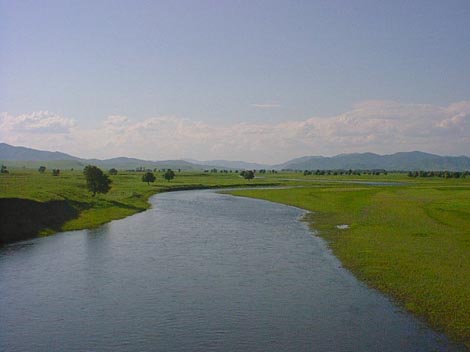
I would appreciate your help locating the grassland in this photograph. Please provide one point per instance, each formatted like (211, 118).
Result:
(410, 241)
(50, 204)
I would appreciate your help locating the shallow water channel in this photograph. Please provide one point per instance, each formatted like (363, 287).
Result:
(200, 271)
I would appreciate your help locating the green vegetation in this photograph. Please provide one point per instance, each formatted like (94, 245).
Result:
(42, 193)
(410, 241)
(444, 174)
(96, 180)
(148, 177)
(247, 174)
(169, 175)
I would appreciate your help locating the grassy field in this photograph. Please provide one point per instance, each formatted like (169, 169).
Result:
(46, 194)
(411, 241)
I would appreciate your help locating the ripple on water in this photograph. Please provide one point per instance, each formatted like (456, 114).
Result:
(200, 271)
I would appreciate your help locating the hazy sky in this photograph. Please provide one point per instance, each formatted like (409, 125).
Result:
(255, 80)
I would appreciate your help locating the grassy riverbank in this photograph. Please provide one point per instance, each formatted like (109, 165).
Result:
(33, 204)
(411, 242)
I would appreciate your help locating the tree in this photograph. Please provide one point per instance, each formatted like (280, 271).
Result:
(4, 170)
(112, 171)
(169, 175)
(148, 177)
(96, 180)
(42, 169)
(247, 174)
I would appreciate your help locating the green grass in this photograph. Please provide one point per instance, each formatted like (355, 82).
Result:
(127, 196)
(411, 242)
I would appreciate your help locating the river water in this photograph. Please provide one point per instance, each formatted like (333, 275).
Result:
(200, 271)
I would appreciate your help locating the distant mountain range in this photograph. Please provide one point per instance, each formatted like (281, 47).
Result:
(9, 152)
(21, 156)
(398, 161)
(229, 164)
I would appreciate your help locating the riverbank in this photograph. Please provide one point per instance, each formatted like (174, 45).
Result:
(411, 243)
(226, 273)
(33, 204)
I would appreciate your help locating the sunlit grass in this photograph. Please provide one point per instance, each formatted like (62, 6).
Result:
(127, 196)
(412, 242)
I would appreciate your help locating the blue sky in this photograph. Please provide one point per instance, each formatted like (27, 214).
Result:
(286, 78)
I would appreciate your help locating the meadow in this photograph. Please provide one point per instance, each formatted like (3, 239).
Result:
(410, 239)
(62, 203)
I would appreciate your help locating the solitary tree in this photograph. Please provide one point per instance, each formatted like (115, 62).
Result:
(42, 169)
(96, 180)
(113, 171)
(247, 174)
(148, 177)
(169, 175)
(4, 170)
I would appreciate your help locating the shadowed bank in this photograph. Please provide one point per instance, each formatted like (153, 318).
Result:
(22, 219)
(199, 271)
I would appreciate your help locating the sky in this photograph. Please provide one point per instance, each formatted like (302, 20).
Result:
(260, 81)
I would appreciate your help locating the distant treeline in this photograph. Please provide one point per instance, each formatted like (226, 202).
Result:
(226, 171)
(345, 172)
(443, 174)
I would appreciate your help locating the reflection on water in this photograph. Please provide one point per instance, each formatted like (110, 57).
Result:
(200, 271)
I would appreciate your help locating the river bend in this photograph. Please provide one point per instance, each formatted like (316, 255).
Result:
(199, 271)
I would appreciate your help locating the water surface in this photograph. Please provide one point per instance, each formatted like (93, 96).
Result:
(200, 271)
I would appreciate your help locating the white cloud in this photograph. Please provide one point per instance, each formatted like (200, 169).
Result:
(40, 129)
(116, 122)
(36, 122)
(377, 126)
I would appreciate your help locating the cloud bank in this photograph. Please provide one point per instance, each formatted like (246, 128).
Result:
(377, 126)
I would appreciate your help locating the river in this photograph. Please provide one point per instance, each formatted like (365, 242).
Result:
(199, 271)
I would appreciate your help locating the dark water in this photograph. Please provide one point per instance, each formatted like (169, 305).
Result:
(200, 271)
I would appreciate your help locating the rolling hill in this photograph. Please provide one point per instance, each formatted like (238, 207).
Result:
(12, 153)
(398, 161)
(229, 164)
(31, 158)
